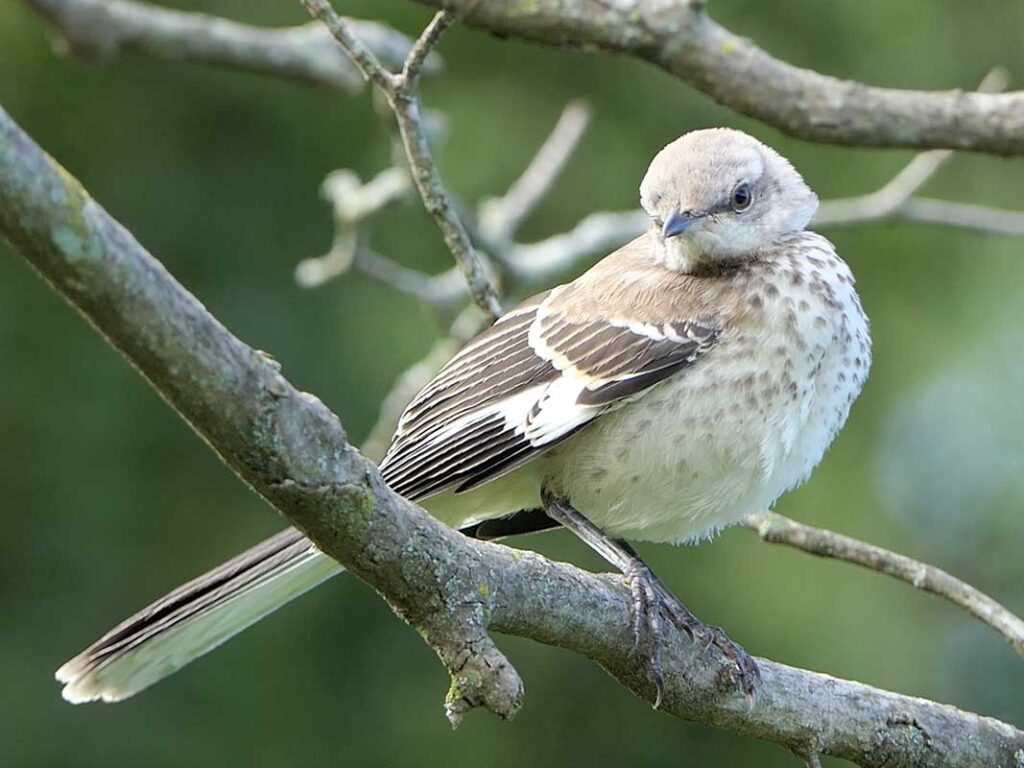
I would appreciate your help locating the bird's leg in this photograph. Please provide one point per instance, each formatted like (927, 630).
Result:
(650, 596)
(709, 636)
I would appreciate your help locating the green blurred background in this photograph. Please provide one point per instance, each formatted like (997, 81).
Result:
(109, 500)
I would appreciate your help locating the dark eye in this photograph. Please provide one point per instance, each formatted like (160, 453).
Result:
(741, 198)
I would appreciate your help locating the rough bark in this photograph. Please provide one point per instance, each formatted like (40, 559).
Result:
(680, 37)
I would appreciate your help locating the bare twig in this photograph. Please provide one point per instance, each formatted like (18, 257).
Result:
(887, 201)
(352, 203)
(777, 529)
(894, 199)
(369, 65)
(425, 43)
(501, 217)
(444, 291)
(983, 219)
(979, 218)
(428, 178)
(310, 273)
(596, 235)
(400, 90)
(292, 449)
(526, 267)
(102, 29)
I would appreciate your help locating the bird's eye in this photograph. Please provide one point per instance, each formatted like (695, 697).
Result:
(742, 198)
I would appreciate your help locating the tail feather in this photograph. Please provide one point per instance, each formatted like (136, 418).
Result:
(207, 611)
(195, 618)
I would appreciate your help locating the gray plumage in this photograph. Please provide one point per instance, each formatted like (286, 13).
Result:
(690, 377)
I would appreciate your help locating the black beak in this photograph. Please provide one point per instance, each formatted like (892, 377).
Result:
(679, 221)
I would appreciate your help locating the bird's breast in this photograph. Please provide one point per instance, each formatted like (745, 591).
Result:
(744, 424)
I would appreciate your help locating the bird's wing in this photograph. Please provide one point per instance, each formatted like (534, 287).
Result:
(531, 380)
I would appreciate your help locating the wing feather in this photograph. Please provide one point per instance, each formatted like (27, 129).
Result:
(530, 381)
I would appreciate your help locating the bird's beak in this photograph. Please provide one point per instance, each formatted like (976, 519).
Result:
(679, 221)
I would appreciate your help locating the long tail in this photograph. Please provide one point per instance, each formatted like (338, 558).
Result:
(195, 618)
(198, 616)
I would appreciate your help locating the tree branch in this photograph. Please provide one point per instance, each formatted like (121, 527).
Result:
(680, 37)
(886, 201)
(400, 91)
(102, 29)
(501, 217)
(289, 447)
(99, 27)
(895, 199)
(597, 234)
(285, 443)
(525, 268)
(352, 202)
(776, 529)
(677, 36)
(979, 218)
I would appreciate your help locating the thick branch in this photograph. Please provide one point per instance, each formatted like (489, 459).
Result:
(286, 444)
(293, 451)
(104, 28)
(680, 37)
(677, 35)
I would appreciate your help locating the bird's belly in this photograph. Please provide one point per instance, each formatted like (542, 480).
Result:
(722, 438)
(667, 471)
(714, 443)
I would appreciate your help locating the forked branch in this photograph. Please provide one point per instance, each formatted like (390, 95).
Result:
(401, 92)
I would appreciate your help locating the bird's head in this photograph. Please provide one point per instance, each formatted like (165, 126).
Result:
(716, 197)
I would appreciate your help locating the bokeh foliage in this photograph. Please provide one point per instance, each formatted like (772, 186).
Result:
(109, 499)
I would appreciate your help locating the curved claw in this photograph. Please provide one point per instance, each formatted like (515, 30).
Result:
(647, 606)
(746, 672)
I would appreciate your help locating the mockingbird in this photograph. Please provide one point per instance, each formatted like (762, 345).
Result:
(691, 377)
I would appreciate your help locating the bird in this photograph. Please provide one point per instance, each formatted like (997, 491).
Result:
(689, 378)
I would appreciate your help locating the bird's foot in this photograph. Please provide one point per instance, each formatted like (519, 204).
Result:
(746, 673)
(647, 607)
(650, 600)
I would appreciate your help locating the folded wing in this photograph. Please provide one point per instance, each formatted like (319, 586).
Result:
(533, 379)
